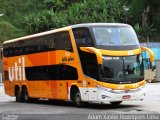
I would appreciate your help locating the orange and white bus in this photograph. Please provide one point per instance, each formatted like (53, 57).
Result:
(94, 62)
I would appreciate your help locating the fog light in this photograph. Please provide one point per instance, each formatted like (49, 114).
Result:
(104, 96)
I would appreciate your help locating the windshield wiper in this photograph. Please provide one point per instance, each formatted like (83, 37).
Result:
(128, 82)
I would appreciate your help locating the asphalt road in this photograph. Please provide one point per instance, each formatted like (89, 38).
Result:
(47, 110)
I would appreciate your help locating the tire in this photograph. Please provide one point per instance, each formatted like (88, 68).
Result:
(116, 103)
(18, 95)
(77, 99)
(25, 97)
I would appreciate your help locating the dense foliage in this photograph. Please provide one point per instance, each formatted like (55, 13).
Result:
(23, 17)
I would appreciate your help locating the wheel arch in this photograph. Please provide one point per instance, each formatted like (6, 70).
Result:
(25, 86)
(73, 89)
(17, 86)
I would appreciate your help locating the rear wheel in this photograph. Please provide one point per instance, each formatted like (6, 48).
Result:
(25, 97)
(18, 95)
(116, 103)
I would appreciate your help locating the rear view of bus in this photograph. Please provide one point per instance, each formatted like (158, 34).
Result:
(95, 62)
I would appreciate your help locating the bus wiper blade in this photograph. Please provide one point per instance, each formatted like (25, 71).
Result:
(125, 82)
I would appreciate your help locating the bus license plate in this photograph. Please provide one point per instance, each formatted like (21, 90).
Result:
(126, 97)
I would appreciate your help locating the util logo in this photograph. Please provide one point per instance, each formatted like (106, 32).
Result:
(17, 72)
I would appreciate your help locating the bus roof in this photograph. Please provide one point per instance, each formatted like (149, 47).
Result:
(63, 29)
(98, 24)
(36, 35)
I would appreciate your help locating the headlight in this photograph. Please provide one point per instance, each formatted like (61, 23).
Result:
(104, 88)
(140, 88)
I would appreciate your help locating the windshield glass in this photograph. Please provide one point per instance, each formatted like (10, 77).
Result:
(122, 69)
(118, 35)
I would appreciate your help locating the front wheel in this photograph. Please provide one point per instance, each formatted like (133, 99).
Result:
(116, 103)
(77, 99)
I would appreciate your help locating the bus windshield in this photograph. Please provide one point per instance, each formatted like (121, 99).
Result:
(122, 69)
(115, 35)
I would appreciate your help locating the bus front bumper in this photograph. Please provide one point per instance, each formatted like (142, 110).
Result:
(122, 95)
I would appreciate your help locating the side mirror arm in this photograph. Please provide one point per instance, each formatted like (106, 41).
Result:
(151, 54)
(95, 51)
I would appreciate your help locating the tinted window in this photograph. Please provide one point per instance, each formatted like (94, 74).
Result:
(82, 37)
(89, 64)
(51, 72)
(55, 41)
(63, 41)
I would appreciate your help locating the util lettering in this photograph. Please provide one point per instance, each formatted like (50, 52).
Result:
(17, 72)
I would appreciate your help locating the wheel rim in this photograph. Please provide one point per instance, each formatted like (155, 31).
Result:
(78, 99)
(25, 96)
(18, 95)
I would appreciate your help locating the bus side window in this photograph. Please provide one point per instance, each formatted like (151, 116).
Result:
(63, 41)
(82, 37)
(55, 41)
(68, 73)
(50, 42)
(52, 72)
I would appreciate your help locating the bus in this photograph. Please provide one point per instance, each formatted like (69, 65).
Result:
(83, 63)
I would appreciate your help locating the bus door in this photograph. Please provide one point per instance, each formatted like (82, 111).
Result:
(90, 69)
(93, 89)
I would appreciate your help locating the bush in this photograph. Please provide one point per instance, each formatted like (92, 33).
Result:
(8, 31)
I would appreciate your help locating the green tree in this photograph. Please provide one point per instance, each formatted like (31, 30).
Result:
(36, 16)
(145, 13)
(77, 12)
(144, 33)
(8, 31)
